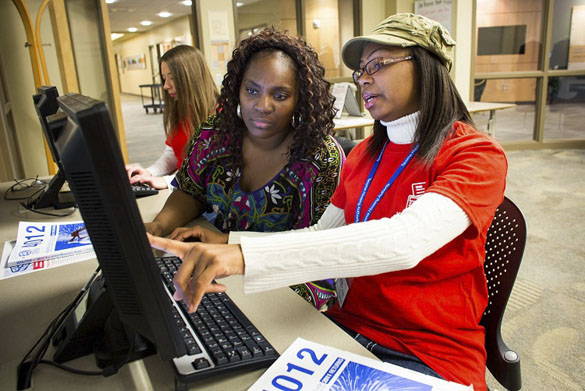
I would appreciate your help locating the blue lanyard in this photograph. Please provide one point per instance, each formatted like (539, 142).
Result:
(398, 171)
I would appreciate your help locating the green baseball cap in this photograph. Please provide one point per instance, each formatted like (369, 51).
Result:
(403, 30)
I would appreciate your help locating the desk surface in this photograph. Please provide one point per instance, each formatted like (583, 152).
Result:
(348, 122)
(476, 107)
(29, 302)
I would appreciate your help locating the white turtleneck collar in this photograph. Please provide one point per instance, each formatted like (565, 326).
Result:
(401, 130)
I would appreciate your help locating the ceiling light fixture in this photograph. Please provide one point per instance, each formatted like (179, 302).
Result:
(132, 29)
(164, 14)
(115, 36)
(239, 4)
(110, 1)
(146, 23)
(187, 2)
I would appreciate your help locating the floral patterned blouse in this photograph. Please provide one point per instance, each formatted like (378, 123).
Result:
(295, 198)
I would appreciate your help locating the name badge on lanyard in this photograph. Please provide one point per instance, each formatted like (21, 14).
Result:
(342, 285)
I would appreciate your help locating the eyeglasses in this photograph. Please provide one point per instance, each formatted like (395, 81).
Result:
(375, 65)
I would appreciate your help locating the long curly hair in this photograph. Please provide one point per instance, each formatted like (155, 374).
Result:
(313, 115)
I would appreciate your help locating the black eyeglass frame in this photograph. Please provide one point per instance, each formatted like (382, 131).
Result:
(375, 67)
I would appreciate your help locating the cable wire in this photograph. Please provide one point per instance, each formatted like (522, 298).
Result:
(30, 361)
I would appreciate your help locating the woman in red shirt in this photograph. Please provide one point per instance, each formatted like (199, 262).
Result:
(190, 97)
(406, 228)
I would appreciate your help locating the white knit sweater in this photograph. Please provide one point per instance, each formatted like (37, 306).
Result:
(331, 249)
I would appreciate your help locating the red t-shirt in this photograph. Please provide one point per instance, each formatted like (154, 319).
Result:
(178, 139)
(431, 311)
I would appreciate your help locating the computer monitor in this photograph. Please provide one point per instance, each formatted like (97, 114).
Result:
(46, 104)
(90, 156)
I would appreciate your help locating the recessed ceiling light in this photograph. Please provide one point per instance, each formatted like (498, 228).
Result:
(146, 23)
(187, 2)
(115, 36)
(239, 4)
(110, 1)
(164, 14)
(132, 29)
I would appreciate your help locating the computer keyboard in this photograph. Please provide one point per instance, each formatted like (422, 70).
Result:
(218, 336)
(143, 190)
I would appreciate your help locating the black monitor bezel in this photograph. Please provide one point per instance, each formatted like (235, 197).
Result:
(90, 156)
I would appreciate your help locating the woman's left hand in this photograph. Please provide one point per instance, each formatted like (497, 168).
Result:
(202, 264)
(199, 234)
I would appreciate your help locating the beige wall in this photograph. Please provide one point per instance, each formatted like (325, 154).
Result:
(139, 44)
(461, 72)
(280, 14)
(461, 21)
(213, 8)
(89, 60)
(20, 83)
(324, 37)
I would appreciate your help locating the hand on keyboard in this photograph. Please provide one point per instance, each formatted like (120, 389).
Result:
(135, 169)
(218, 336)
(156, 182)
(212, 261)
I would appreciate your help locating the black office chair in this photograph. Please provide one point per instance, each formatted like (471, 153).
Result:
(503, 253)
(346, 144)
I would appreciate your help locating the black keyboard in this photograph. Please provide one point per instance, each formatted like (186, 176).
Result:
(143, 190)
(218, 336)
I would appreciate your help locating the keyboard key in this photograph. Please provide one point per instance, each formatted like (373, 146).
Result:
(193, 349)
(232, 355)
(219, 358)
(201, 363)
(244, 353)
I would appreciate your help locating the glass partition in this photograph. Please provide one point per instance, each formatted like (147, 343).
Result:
(514, 123)
(508, 36)
(565, 108)
(568, 35)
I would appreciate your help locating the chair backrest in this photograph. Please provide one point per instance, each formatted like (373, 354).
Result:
(504, 248)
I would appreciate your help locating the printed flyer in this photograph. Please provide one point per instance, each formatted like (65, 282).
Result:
(307, 365)
(37, 242)
(18, 270)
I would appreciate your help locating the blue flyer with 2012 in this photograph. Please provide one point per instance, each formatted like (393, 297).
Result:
(307, 365)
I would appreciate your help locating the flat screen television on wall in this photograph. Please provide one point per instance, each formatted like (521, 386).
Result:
(495, 40)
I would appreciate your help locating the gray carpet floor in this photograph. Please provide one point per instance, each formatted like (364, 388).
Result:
(546, 312)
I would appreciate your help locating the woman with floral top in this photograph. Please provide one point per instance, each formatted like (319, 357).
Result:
(266, 161)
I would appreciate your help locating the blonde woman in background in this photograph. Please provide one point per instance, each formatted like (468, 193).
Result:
(190, 97)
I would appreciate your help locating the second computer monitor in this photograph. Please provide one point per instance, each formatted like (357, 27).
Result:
(46, 104)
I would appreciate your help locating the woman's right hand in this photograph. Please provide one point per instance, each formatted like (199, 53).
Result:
(198, 233)
(136, 169)
(202, 264)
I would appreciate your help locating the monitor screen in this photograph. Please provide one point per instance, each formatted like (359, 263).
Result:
(90, 156)
(46, 104)
(498, 40)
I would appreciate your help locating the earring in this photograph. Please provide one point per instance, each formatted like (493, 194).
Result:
(239, 111)
(296, 121)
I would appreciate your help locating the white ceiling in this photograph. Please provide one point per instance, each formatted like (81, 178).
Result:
(129, 13)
